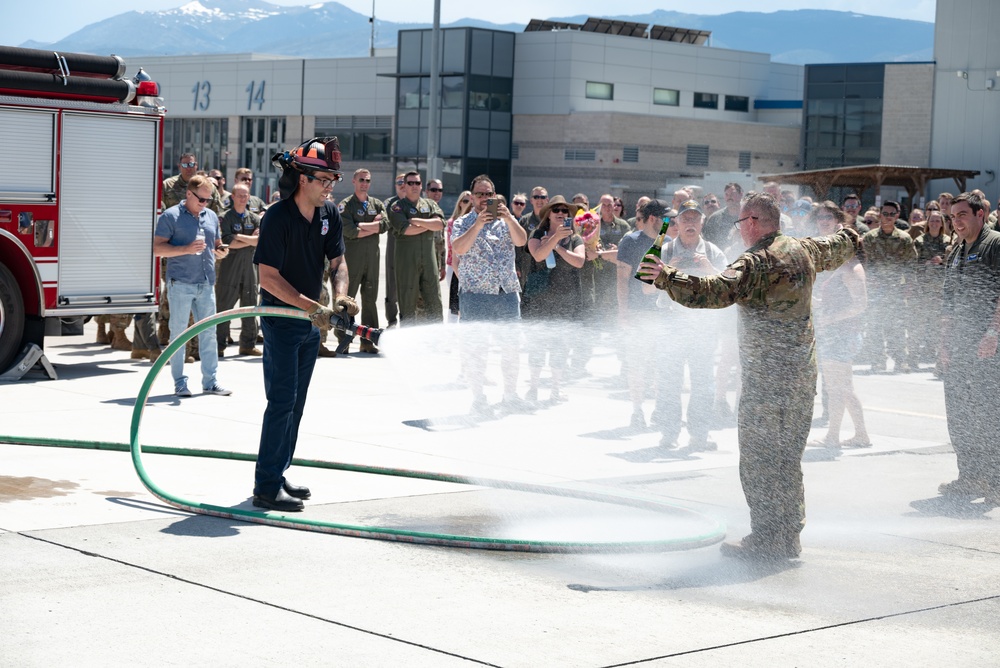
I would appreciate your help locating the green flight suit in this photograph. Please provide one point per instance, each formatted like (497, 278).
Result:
(772, 283)
(362, 254)
(416, 261)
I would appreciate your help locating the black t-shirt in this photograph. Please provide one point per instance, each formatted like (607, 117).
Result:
(297, 247)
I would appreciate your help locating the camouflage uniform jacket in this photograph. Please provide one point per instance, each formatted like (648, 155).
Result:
(889, 258)
(175, 190)
(772, 283)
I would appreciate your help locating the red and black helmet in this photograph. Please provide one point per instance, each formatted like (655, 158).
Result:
(320, 154)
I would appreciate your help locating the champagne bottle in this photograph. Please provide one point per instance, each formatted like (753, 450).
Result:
(656, 248)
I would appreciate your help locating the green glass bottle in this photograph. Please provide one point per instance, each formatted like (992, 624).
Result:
(656, 248)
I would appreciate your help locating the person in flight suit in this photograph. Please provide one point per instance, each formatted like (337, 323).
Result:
(413, 220)
(364, 219)
(391, 299)
(772, 283)
(237, 280)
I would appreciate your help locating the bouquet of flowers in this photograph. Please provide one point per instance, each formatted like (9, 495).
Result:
(589, 226)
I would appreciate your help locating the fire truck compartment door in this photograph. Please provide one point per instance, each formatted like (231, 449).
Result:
(26, 171)
(107, 209)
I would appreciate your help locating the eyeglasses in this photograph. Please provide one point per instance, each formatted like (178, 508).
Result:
(488, 193)
(413, 183)
(737, 223)
(189, 165)
(202, 200)
(365, 180)
(889, 214)
(434, 190)
(539, 197)
(711, 201)
(400, 183)
(326, 183)
(852, 207)
(560, 209)
(518, 202)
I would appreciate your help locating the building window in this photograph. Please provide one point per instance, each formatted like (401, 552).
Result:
(737, 103)
(666, 96)
(744, 160)
(361, 137)
(515, 151)
(697, 155)
(706, 101)
(587, 154)
(630, 154)
(600, 91)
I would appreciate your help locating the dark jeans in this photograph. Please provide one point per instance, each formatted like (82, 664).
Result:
(290, 348)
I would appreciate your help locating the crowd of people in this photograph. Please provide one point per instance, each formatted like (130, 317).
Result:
(821, 287)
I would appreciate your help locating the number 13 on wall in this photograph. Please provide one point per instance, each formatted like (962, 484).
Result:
(255, 95)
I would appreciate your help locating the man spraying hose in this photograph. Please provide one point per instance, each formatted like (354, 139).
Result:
(296, 234)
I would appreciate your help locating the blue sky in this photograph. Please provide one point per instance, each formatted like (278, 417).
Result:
(51, 20)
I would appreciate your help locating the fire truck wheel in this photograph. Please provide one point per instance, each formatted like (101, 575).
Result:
(11, 318)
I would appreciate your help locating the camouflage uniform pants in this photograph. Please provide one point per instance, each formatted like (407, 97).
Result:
(116, 323)
(773, 429)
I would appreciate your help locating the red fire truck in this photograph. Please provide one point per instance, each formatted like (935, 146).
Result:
(79, 191)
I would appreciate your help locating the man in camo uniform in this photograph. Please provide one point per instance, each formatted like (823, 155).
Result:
(772, 283)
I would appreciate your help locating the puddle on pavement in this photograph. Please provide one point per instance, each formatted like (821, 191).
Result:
(13, 488)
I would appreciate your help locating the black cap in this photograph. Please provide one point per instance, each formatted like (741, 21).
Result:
(656, 207)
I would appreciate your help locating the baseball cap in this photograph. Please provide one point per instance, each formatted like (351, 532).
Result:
(690, 205)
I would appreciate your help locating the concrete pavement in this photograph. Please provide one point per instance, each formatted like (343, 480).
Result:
(96, 571)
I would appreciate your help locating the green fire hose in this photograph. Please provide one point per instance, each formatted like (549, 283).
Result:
(713, 530)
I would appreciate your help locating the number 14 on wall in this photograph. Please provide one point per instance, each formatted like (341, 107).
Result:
(255, 95)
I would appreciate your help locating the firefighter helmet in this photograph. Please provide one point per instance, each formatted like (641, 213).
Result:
(320, 154)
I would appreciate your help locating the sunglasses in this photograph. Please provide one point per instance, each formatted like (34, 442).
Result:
(560, 209)
(518, 202)
(365, 180)
(737, 223)
(539, 197)
(435, 190)
(326, 183)
(466, 200)
(488, 193)
(189, 165)
(889, 214)
(202, 200)
(400, 183)
(413, 183)
(711, 201)
(245, 179)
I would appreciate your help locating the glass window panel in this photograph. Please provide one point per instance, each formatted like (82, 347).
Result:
(406, 142)
(499, 145)
(261, 129)
(737, 103)
(820, 91)
(826, 73)
(453, 50)
(452, 92)
(503, 54)
(481, 53)
(451, 118)
(706, 100)
(863, 90)
(479, 144)
(409, 93)
(500, 120)
(425, 54)
(479, 119)
(409, 52)
(274, 130)
(666, 96)
(408, 118)
(422, 141)
(451, 141)
(597, 90)
(866, 72)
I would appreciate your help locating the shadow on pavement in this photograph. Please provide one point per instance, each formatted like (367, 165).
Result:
(723, 572)
(943, 506)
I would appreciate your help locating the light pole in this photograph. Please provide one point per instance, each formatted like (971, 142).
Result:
(434, 112)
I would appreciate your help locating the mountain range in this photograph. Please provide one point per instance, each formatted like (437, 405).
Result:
(331, 30)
